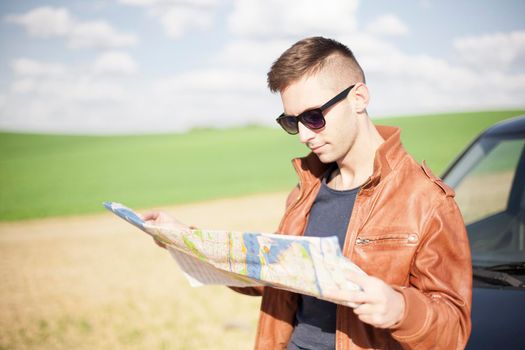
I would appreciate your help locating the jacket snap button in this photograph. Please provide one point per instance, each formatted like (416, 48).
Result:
(412, 238)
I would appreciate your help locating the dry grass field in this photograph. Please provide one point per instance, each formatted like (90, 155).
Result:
(96, 282)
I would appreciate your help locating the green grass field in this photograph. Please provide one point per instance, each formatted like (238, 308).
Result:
(49, 175)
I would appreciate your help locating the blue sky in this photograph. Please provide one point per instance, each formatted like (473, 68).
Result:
(133, 66)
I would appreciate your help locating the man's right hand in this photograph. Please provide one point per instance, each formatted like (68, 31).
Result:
(158, 217)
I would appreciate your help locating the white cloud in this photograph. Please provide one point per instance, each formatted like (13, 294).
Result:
(493, 51)
(81, 100)
(115, 62)
(250, 53)
(77, 102)
(23, 85)
(139, 2)
(420, 83)
(98, 34)
(402, 83)
(214, 80)
(26, 66)
(178, 17)
(273, 18)
(69, 88)
(45, 21)
(388, 24)
(80, 82)
(111, 95)
(58, 22)
(369, 50)
(175, 103)
(178, 21)
(159, 3)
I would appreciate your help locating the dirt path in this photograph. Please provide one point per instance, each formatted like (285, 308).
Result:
(97, 282)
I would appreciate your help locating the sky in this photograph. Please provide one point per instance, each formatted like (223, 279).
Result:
(146, 66)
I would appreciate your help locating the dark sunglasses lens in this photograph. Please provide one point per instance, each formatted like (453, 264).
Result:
(289, 124)
(313, 119)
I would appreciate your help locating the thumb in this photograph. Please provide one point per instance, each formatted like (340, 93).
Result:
(357, 278)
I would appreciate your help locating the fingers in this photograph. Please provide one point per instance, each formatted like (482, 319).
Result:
(381, 306)
(363, 309)
(150, 216)
(357, 278)
(159, 243)
(358, 297)
(372, 313)
(160, 217)
(370, 308)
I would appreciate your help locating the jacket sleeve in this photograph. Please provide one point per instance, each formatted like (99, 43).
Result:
(439, 295)
(258, 291)
(251, 291)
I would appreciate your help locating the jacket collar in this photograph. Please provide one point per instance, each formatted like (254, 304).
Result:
(310, 169)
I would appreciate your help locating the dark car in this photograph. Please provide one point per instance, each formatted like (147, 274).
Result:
(489, 180)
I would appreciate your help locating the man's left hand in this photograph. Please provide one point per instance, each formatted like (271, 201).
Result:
(378, 304)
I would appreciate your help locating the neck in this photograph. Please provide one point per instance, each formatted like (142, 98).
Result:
(358, 164)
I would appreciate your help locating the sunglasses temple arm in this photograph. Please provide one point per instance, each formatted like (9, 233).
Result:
(337, 98)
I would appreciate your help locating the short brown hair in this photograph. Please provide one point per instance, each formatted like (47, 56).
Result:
(311, 55)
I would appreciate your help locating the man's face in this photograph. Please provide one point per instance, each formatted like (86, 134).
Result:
(333, 142)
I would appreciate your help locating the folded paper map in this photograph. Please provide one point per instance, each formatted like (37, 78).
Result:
(308, 265)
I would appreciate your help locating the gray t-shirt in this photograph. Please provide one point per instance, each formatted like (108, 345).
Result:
(315, 318)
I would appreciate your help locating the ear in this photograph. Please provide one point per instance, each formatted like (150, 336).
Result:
(361, 97)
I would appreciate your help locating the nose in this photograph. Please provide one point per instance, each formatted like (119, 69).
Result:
(305, 135)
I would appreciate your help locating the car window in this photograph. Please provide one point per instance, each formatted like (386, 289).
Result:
(485, 188)
(489, 184)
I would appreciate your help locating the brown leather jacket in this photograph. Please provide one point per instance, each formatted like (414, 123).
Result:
(405, 229)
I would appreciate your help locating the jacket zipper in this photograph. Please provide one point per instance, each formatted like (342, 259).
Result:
(409, 238)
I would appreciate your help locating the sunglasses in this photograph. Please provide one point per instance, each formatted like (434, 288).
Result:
(313, 118)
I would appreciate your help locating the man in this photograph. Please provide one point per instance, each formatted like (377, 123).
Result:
(393, 218)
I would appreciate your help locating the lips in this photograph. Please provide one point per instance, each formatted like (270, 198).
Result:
(315, 148)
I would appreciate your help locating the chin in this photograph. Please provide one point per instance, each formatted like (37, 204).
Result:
(326, 158)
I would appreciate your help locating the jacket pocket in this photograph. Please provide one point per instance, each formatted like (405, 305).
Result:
(386, 254)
